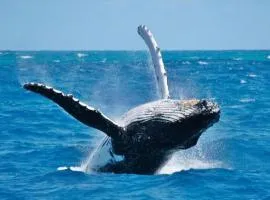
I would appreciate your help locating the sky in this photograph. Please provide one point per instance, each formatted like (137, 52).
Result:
(112, 24)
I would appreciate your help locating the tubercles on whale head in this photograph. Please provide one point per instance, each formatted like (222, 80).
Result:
(201, 115)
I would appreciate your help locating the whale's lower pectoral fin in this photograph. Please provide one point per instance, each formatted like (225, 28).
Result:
(82, 112)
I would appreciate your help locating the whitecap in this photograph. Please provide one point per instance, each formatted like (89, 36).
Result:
(56, 61)
(26, 57)
(1, 53)
(237, 59)
(62, 168)
(243, 81)
(104, 60)
(202, 63)
(186, 63)
(75, 169)
(80, 55)
(247, 100)
(268, 57)
(252, 75)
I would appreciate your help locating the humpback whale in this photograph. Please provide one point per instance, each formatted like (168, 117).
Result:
(150, 133)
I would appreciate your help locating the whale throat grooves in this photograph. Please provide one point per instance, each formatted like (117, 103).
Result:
(161, 75)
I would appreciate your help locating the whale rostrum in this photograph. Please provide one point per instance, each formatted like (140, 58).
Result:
(148, 134)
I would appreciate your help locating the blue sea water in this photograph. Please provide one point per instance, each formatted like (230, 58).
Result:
(231, 160)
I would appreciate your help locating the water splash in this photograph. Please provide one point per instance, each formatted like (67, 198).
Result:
(194, 158)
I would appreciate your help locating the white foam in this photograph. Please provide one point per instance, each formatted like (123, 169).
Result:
(186, 63)
(268, 57)
(193, 158)
(177, 164)
(75, 169)
(237, 59)
(80, 55)
(62, 168)
(252, 75)
(247, 100)
(243, 81)
(56, 61)
(26, 57)
(202, 62)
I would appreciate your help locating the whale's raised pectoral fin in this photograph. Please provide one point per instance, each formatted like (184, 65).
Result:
(155, 52)
(82, 112)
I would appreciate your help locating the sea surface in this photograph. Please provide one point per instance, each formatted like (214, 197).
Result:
(38, 139)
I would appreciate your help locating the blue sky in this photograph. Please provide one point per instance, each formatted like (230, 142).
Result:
(111, 24)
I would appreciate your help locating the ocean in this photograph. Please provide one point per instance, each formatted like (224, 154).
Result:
(38, 139)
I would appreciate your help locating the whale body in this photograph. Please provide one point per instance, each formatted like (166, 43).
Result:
(148, 134)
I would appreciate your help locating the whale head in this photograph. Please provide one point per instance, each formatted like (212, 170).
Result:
(200, 115)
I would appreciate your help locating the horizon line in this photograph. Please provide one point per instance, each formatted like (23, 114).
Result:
(84, 50)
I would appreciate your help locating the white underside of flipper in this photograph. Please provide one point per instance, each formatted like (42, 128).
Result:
(160, 71)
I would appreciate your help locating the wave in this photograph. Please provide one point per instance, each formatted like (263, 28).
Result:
(186, 63)
(268, 57)
(80, 55)
(243, 81)
(247, 100)
(202, 63)
(56, 61)
(252, 75)
(72, 168)
(26, 57)
(238, 58)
